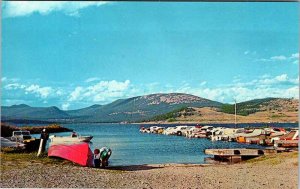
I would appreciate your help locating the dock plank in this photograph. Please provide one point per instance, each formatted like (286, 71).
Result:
(233, 152)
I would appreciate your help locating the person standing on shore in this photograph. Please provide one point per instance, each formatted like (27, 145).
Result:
(104, 156)
(96, 158)
(44, 137)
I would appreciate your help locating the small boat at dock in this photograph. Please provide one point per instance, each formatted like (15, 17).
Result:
(69, 139)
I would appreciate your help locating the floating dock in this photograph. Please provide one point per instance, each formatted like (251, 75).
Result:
(238, 154)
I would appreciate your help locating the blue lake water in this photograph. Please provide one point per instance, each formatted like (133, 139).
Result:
(130, 147)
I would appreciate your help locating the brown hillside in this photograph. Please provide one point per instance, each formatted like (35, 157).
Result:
(277, 110)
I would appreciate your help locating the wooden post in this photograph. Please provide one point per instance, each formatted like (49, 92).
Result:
(40, 148)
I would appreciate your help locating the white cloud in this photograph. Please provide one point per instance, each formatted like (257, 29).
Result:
(246, 52)
(262, 87)
(295, 58)
(91, 79)
(65, 106)
(296, 55)
(9, 80)
(102, 91)
(42, 92)
(281, 57)
(75, 94)
(12, 86)
(59, 92)
(295, 81)
(23, 8)
(203, 83)
(267, 80)
(282, 77)
(109, 86)
(228, 94)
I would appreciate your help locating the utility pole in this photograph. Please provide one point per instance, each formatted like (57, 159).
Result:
(235, 112)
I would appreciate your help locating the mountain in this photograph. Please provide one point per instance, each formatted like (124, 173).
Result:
(144, 108)
(132, 109)
(26, 112)
(84, 112)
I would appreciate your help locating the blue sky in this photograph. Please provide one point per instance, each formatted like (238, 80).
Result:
(76, 54)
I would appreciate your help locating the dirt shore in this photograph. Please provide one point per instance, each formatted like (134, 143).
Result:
(276, 171)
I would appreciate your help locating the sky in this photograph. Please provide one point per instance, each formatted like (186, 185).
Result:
(76, 54)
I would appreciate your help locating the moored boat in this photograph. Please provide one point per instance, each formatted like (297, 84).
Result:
(248, 137)
(69, 139)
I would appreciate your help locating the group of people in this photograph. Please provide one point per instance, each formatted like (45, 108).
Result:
(101, 157)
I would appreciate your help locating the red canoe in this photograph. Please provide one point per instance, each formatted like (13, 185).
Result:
(77, 153)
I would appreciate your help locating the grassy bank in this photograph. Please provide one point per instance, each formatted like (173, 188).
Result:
(274, 159)
(7, 130)
(20, 160)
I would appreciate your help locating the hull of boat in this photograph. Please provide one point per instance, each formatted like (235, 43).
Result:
(286, 143)
(77, 153)
(69, 140)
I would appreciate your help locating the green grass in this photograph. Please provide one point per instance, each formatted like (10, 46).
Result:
(18, 161)
(274, 159)
(170, 116)
(278, 116)
(28, 159)
(7, 130)
(266, 159)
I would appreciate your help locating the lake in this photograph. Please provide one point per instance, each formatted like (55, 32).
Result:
(130, 147)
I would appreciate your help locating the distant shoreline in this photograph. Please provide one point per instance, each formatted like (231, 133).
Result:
(151, 123)
(207, 123)
(146, 123)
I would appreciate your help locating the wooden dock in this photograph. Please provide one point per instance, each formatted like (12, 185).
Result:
(237, 154)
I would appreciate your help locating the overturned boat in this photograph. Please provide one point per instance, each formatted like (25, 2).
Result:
(77, 153)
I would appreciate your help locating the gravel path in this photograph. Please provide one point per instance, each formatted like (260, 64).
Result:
(277, 173)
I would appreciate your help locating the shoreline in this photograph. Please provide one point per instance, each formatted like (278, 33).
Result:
(154, 122)
(274, 171)
(207, 123)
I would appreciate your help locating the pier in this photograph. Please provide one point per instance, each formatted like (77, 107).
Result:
(238, 154)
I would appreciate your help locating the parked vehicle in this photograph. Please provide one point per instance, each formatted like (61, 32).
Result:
(20, 136)
(7, 143)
